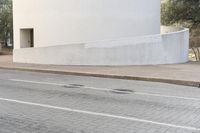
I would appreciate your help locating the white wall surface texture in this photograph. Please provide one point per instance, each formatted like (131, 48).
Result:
(62, 22)
(96, 32)
(160, 49)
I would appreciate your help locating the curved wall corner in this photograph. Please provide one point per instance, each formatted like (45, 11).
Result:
(167, 48)
(176, 44)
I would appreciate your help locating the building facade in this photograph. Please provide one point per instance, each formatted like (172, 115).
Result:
(91, 32)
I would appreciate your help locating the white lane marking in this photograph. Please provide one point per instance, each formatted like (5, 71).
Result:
(99, 114)
(36, 82)
(104, 89)
(167, 96)
(57, 84)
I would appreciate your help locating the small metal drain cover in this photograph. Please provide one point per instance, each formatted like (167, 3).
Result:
(76, 85)
(122, 91)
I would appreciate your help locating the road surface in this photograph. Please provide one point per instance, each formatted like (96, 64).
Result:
(51, 103)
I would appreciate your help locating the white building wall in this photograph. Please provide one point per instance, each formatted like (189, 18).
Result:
(96, 32)
(61, 22)
(147, 50)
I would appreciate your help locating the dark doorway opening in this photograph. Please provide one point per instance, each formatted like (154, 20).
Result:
(26, 38)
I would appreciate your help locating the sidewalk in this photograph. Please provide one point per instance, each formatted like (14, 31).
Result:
(181, 74)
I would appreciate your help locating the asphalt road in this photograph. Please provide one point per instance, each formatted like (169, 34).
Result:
(49, 103)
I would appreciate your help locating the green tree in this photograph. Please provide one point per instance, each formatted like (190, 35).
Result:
(6, 21)
(180, 12)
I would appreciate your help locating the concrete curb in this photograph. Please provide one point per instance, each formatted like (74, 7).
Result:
(150, 79)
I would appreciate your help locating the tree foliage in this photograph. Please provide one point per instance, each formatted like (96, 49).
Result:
(6, 21)
(181, 11)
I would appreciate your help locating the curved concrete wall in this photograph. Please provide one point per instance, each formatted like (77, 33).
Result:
(144, 50)
(62, 22)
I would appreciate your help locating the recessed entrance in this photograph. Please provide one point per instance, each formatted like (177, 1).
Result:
(26, 38)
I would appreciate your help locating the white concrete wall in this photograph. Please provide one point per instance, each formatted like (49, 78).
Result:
(62, 22)
(97, 32)
(144, 50)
